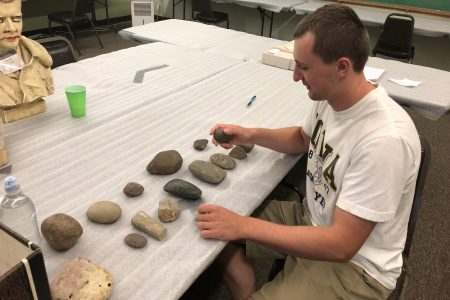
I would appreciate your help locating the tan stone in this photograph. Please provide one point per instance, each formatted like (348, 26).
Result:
(23, 111)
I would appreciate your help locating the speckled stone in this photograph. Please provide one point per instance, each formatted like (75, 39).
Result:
(238, 152)
(104, 212)
(221, 136)
(61, 231)
(200, 144)
(223, 161)
(183, 189)
(206, 171)
(169, 210)
(247, 147)
(165, 162)
(136, 240)
(133, 189)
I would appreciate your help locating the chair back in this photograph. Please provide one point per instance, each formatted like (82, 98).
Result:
(397, 32)
(60, 49)
(202, 6)
(83, 7)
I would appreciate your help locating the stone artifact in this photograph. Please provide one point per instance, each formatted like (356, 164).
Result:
(165, 162)
(206, 171)
(25, 68)
(238, 152)
(200, 144)
(136, 240)
(80, 279)
(221, 136)
(133, 189)
(169, 210)
(61, 231)
(247, 147)
(143, 222)
(183, 189)
(223, 161)
(104, 212)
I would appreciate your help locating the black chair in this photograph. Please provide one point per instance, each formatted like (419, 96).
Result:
(60, 49)
(78, 16)
(202, 12)
(396, 38)
(403, 279)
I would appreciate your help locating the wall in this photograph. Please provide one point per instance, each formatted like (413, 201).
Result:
(430, 51)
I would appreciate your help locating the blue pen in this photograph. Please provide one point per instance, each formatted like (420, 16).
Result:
(251, 101)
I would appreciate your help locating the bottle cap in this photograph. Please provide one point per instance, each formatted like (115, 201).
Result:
(11, 183)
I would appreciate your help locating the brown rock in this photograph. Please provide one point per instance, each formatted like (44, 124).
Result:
(133, 189)
(136, 240)
(200, 144)
(169, 210)
(61, 231)
(165, 162)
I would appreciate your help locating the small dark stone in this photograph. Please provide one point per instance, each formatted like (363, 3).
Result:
(223, 161)
(221, 136)
(247, 147)
(238, 152)
(133, 189)
(200, 144)
(206, 171)
(136, 240)
(165, 162)
(183, 189)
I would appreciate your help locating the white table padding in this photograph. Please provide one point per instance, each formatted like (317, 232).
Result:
(270, 5)
(111, 91)
(70, 173)
(431, 98)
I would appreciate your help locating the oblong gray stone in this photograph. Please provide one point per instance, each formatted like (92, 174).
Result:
(223, 161)
(247, 147)
(238, 152)
(104, 212)
(207, 171)
(165, 162)
(183, 189)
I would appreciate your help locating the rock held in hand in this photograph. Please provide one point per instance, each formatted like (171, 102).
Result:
(221, 136)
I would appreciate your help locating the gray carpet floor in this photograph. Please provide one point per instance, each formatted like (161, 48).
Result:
(429, 272)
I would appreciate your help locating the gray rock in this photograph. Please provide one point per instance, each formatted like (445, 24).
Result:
(238, 152)
(169, 210)
(247, 147)
(165, 162)
(183, 189)
(104, 212)
(61, 231)
(221, 136)
(206, 171)
(136, 240)
(223, 161)
(133, 189)
(200, 144)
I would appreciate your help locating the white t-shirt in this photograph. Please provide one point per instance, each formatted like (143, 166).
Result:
(365, 160)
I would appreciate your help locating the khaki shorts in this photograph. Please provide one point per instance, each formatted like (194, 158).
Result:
(308, 279)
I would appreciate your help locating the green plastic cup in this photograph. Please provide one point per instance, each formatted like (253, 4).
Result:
(76, 96)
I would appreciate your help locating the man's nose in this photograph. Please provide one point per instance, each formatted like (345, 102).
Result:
(297, 75)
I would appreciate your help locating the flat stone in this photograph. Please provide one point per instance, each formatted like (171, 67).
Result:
(200, 144)
(221, 136)
(183, 189)
(136, 240)
(238, 152)
(133, 189)
(223, 161)
(104, 212)
(169, 210)
(207, 171)
(61, 231)
(81, 279)
(247, 147)
(165, 162)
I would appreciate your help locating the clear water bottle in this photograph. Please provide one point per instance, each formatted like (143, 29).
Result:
(17, 211)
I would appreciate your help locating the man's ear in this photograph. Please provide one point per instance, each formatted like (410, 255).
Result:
(344, 65)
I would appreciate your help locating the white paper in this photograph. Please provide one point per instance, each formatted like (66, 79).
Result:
(372, 73)
(405, 82)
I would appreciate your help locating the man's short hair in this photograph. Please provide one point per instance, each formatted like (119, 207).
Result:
(8, 1)
(338, 32)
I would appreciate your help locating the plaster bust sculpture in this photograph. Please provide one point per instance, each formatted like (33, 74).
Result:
(25, 65)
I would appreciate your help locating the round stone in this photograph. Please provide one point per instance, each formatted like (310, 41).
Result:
(221, 136)
(206, 171)
(200, 144)
(104, 212)
(136, 240)
(223, 161)
(238, 152)
(61, 231)
(183, 189)
(165, 162)
(133, 189)
(247, 147)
